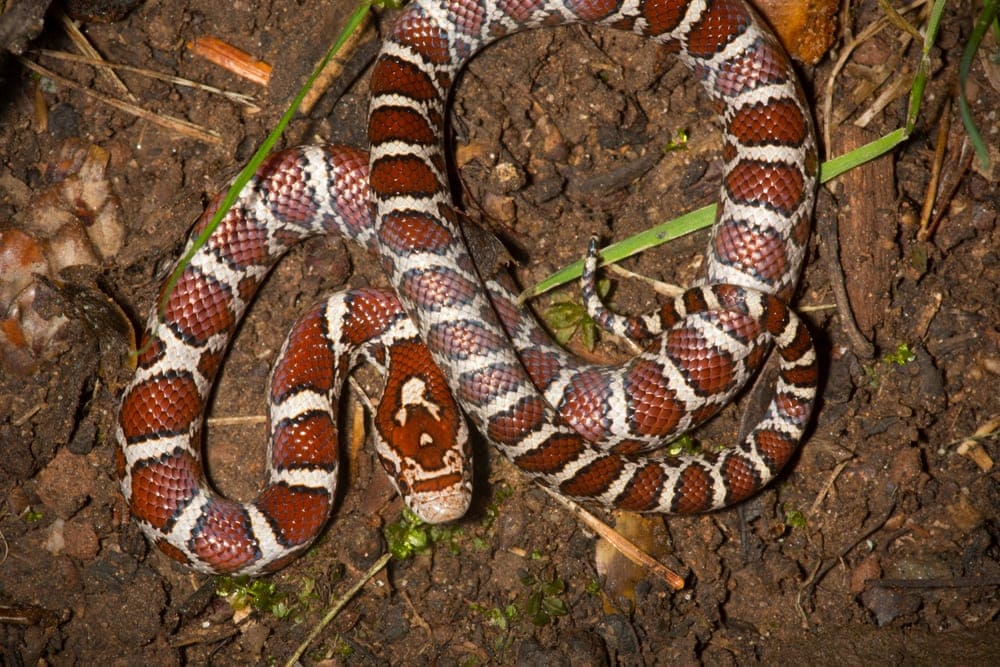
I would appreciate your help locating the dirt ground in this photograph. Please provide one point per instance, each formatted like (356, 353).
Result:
(880, 545)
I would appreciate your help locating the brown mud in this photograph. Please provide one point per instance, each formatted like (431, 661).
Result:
(879, 545)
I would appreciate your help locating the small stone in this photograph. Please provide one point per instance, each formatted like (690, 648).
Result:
(66, 483)
(81, 541)
(506, 177)
(499, 207)
(905, 467)
(887, 604)
(868, 569)
(56, 541)
(84, 438)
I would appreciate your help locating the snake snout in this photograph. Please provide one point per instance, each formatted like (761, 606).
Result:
(441, 506)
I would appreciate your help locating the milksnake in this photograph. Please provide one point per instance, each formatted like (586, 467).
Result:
(577, 428)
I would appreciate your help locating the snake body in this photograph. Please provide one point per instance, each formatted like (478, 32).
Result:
(576, 428)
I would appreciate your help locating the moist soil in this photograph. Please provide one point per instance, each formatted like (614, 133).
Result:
(878, 545)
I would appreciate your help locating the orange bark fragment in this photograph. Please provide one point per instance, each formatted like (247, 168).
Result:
(229, 57)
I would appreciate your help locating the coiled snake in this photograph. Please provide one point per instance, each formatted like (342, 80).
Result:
(579, 429)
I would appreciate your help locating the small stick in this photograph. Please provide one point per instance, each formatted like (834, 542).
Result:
(895, 90)
(85, 47)
(826, 487)
(239, 98)
(244, 420)
(335, 609)
(897, 20)
(335, 67)
(970, 448)
(175, 124)
(230, 58)
(845, 53)
(930, 196)
(947, 192)
(859, 342)
(620, 542)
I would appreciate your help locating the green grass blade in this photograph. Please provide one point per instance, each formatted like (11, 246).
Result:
(668, 231)
(987, 16)
(831, 169)
(705, 216)
(923, 67)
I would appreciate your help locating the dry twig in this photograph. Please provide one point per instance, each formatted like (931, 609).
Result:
(174, 124)
(335, 609)
(239, 98)
(824, 567)
(620, 542)
(83, 44)
(940, 149)
(845, 53)
(232, 59)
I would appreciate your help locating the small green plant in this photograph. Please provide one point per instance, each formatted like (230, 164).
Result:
(501, 618)
(683, 445)
(492, 511)
(503, 493)
(410, 535)
(544, 601)
(32, 516)
(341, 649)
(496, 617)
(569, 318)
(793, 517)
(874, 379)
(449, 536)
(259, 594)
(470, 660)
(678, 143)
(307, 597)
(901, 356)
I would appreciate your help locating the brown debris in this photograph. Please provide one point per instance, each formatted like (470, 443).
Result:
(806, 29)
(228, 57)
(866, 232)
(76, 221)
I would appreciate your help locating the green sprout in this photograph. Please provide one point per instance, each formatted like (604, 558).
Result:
(410, 536)
(569, 318)
(684, 445)
(678, 143)
(544, 602)
(259, 594)
(503, 492)
(794, 518)
(901, 356)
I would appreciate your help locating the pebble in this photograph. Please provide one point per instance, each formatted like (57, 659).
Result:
(66, 483)
(81, 541)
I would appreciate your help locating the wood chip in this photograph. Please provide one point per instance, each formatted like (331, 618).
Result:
(229, 57)
(971, 449)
